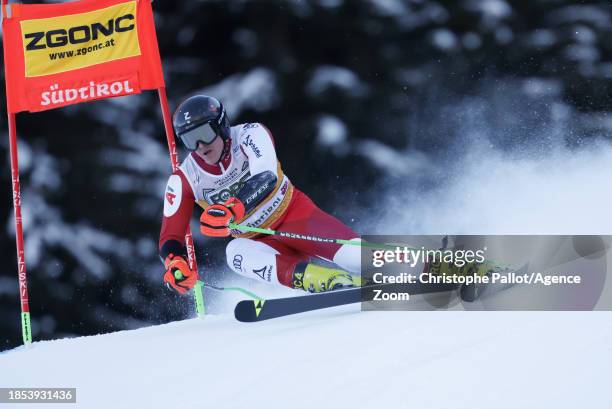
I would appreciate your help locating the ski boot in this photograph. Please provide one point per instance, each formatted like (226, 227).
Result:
(467, 292)
(450, 269)
(316, 279)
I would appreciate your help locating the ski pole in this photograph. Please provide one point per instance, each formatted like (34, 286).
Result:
(178, 275)
(238, 289)
(299, 236)
(199, 299)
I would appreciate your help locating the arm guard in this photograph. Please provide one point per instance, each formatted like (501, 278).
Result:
(256, 189)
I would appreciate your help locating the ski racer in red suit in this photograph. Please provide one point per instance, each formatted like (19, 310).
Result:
(233, 173)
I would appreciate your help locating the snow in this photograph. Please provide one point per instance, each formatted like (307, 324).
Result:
(332, 133)
(346, 358)
(47, 323)
(542, 194)
(582, 52)
(44, 225)
(8, 285)
(542, 38)
(82, 241)
(581, 13)
(584, 34)
(329, 76)
(331, 359)
(444, 39)
(394, 162)
(471, 40)
(493, 9)
(255, 89)
(409, 15)
(540, 87)
(504, 35)
(389, 7)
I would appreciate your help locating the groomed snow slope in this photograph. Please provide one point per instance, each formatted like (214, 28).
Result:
(341, 358)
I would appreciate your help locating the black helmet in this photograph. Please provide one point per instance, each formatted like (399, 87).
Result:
(200, 119)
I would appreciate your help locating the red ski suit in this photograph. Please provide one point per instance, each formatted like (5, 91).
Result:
(300, 215)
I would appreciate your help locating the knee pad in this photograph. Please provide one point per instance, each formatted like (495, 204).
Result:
(348, 257)
(234, 253)
(252, 259)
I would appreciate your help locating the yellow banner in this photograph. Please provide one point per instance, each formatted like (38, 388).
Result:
(60, 44)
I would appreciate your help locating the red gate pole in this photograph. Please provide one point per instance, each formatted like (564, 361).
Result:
(163, 101)
(21, 265)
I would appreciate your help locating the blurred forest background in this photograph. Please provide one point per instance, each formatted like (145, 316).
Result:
(365, 99)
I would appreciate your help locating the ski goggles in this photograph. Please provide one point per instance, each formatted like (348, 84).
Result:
(204, 133)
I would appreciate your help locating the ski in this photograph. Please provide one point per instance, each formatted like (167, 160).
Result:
(260, 310)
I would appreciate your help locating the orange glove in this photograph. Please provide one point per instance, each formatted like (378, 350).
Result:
(216, 218)
(178, 274)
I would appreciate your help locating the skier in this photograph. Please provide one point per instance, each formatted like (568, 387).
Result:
(233, 173)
